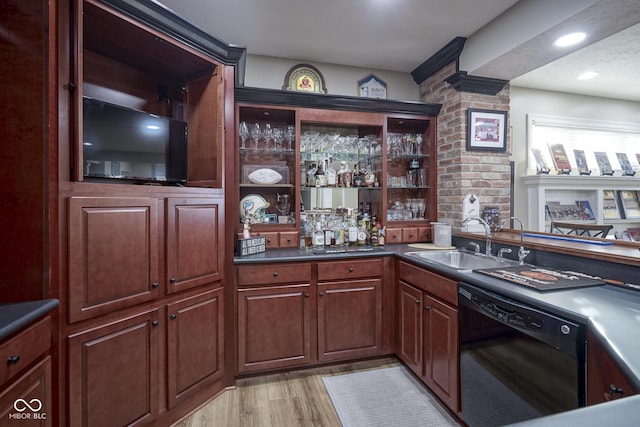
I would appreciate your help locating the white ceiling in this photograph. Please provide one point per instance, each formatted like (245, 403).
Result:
(399, 35)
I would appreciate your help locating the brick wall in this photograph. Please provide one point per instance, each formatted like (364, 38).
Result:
(461, 172)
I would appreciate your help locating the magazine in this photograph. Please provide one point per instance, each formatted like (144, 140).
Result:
(541, 165)
(625, 164)
(581, 162)
(610, 205)
(630, 203)
(560, 159)
(585, 209)
(603, 163)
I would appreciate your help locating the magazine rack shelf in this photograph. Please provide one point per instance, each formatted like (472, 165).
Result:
(612, 200)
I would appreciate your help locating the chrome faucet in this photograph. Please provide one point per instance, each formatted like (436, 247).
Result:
(475, 246)
(522, 252)
(503, 251)
(487, 230)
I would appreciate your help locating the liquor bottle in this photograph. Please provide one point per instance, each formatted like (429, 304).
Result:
(332, 175)
(374, 239)
(311, 175)
(347, 176)
(357, 176)
(362, 234)
(318, 236)
(353, 232)
(343, 168)
(321, 177)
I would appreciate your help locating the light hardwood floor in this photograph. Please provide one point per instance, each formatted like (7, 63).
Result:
(296, 398)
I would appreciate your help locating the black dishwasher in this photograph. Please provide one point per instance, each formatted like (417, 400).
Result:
(517, 362)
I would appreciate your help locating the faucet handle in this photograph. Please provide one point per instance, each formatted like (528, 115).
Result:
(503, 251)
(522, 254)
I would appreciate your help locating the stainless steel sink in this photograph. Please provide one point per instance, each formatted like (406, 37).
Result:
(461, 260)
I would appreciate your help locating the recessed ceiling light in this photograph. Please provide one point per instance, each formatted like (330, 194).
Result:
(570, 39)
(587, 75)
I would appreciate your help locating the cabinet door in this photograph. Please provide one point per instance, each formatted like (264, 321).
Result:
(195, 344)
(113, 254)
(194, 243)
(440, 349)
(113, 373)
(409, 345)
(27, 400)
(349, 319)
(274, 327)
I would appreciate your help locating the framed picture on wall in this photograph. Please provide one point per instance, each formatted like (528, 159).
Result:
(486, 130)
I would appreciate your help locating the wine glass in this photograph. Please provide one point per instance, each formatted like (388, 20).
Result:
(290, 134)
(278, 136)
(267, 135)
(255, 134)
(421, 207)
(244, 133)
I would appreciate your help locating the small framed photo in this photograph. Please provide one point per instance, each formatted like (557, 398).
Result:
(486, 130)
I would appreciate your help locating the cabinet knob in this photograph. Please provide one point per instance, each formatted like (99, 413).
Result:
(321, 294)
(411, 236)
(12, 360)
(173, 317)
(351, 269)
(306, 295)
(155, 323)
(427, 307)
(154, 285)
(173, 280)
(275, 274)
(288, 240)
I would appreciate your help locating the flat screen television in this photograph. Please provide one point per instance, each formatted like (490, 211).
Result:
(121, 143)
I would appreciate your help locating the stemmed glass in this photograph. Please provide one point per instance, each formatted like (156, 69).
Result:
(244, 133)
(278, 136)
(421, 206)
(255, 134)
(290, 134)
(267, 135)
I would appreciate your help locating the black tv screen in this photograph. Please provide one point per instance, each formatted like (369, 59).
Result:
(132, 145)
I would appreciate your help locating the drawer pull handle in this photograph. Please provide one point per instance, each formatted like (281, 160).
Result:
(321, 294)
(12, 360)
(427, 307)
(173, 317)
(351, 269)
(275, 274)
(154, 285)
(155, 323)
(306, 294)
(173, 280)
(417, 301)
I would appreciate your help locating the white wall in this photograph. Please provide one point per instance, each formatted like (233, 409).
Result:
(269, 72)
(530, 101)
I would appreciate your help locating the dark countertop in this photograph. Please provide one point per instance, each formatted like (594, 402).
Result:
(611, 312)
(14, 316)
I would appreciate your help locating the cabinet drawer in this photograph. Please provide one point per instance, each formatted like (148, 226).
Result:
(274, 273)
(394, 235)
(436, 285)
(271, 236)
(410, 235)
(21, 350)
(350, 269)
(289, 239)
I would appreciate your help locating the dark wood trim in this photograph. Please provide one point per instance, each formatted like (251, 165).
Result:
(165, 20)
(333, 102)
(463, 82)
(450, 52)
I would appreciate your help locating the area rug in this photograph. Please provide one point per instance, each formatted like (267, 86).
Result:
(389, 397)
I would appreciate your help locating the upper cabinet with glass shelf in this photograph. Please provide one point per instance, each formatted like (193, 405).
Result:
(340, 157)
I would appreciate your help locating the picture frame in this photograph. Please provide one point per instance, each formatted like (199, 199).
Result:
(486, 130)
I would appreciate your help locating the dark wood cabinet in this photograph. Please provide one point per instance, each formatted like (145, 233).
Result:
(428, 330)
(195, 251)
(274, 326)
(349, 319)
(114, 372)
(113, 254)
(605, 379)
(409, 346)
(195, 344)
(440, 350)
(34, 388)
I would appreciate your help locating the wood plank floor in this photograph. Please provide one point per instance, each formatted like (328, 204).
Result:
(296, 398)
